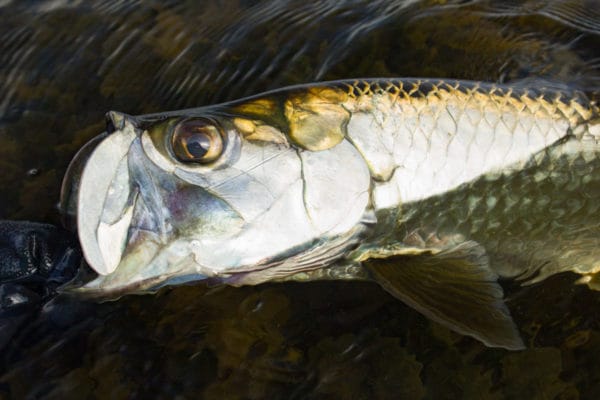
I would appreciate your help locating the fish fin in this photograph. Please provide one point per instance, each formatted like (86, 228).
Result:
(453, 286)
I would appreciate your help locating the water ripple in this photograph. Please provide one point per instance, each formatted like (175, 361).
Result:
(64, 63)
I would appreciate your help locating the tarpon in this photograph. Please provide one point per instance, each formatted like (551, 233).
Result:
(434, 189)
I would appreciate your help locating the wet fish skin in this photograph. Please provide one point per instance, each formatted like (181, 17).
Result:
(434, 189)
(511, 194)
(545, 160)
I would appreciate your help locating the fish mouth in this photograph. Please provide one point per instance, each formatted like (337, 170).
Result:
(105, 200)
(70, 184)
(138, 224)
(119, 227)
(115, 228)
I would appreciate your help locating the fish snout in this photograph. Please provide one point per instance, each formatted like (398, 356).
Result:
(116, 121)
(104, 197)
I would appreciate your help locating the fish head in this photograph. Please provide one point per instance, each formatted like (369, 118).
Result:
(219, 192)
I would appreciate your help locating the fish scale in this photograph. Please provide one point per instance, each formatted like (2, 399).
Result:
(423, 147)
(433, 189)
(516, 214)
(499, 209)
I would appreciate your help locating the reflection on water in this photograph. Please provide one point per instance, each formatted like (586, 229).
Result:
(64, 63)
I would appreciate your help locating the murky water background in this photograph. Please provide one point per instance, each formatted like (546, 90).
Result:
(63, 64)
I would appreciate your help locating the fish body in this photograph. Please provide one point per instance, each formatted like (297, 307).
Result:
(434, 189)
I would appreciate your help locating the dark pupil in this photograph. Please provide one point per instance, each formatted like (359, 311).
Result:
(198, 145)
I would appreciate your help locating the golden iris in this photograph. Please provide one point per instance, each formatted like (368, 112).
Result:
(197, 141)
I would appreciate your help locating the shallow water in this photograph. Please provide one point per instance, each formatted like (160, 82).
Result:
(63, 64)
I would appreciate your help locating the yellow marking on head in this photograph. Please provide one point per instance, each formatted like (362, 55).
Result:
(256, 130)
(268, 133)
(244, 126)
(316, 118)
(257, 108)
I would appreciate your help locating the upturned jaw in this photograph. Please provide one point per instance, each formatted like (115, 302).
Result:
(124, 231)
(146, 267)
(105, 200)
(137, 223)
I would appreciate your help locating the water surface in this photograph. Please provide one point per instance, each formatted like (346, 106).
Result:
(63, 64)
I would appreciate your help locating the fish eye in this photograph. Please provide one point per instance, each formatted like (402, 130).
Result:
(197, 141)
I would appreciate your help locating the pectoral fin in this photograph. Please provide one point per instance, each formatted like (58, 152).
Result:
(454, 287)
